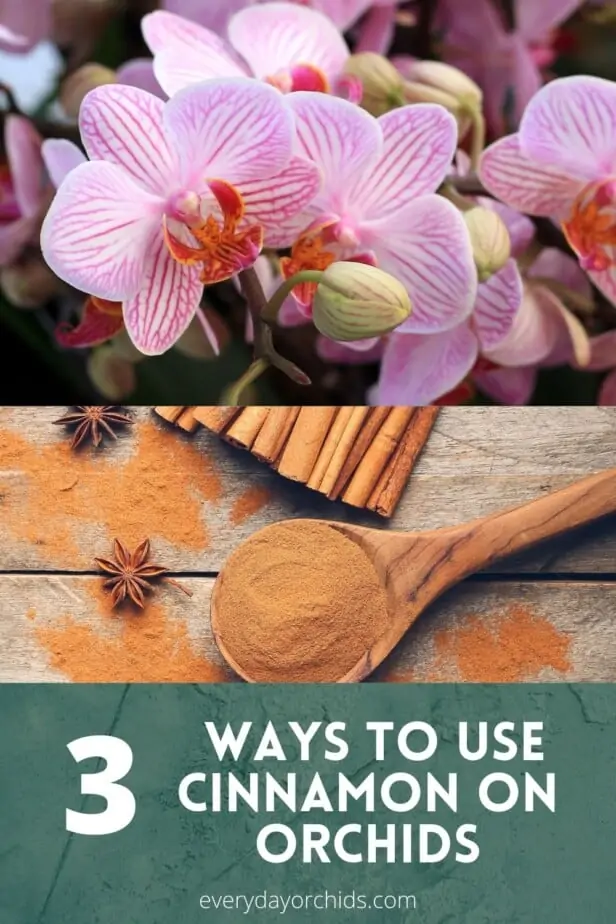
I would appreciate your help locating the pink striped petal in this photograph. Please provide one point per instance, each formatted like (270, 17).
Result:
(508, 386)
(99, 229)
(419, 144)
(426, 246)
(525, 185)
(533, 335)
(570, 126)
(498, 302)
(23, 150)
(165, 305)
(603, 352)
(60, 157)
(186, 53)
(342, 139)
(420, 369)
(607, 395)
(232, 129)
(124, 125)
(275, 36)
(279, 203)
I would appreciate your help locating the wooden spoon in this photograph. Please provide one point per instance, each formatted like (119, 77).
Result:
(416, 568)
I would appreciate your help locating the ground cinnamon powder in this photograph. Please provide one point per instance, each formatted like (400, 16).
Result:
(299, 602)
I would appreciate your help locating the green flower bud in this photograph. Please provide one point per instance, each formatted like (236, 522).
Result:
(490, 241)
(355, 301)
(382, 83)
(435, 82)
(78, 84)
(28, 283)
(113, 377)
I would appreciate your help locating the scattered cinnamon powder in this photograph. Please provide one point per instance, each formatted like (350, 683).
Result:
(299, 602)
(148, 647)
(254, 499)
(160, 487)
(508, 647)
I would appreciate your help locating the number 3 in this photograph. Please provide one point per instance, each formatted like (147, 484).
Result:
(121, 805)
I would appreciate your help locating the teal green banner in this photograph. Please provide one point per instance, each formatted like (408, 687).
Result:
(405, 803)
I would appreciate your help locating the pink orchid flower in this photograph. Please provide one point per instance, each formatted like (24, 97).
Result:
(288, 46)
(378, 204)
(24, 23)
(23, 187)
(544, 334)
(506, 65)
(603, 359)
(561, 164)
(175, 196)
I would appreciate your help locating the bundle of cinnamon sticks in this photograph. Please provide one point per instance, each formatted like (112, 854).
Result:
(362, 455)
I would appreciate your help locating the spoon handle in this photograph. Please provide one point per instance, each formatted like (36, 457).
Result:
(484, 541)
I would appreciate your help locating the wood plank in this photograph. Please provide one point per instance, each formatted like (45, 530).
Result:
(56, 628)
(57, 512)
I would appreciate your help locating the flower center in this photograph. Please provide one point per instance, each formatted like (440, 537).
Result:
(222, 244)
(591, 226)
(9, 209)
(300, 77)
(308, 253)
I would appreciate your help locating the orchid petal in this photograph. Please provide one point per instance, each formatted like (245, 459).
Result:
(140, 73)
(214, 14)
(417, 370)
(426, 246)
(334, 352)
(376, 31)
(508, 386)
(162, 29)
(25, 23)
(275, 36)
(535, 20)
(343, 12)
(572, 343)
(14, 236)
(23, 147)
(603, 352)
(124, 125)
(235, 128)
(498, 302)
(60, 157)
(554, 264)
(176, 69)
(99, 323)
(342, 139)
(570, 126)
(524, 184)
(165, 305)
(607, 394)
(606, 279)
(526, 78)
(279, 203)
(533, 335)
(99, 229)
(419, 145)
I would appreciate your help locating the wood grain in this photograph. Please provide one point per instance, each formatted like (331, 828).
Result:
(582, 614)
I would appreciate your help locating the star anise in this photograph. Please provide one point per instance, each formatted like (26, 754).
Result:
(92, 423)
(131, 576)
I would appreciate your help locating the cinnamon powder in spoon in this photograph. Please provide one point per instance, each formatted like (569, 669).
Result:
(300, 603)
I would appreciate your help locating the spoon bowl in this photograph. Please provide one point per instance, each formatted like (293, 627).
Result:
(415, 568)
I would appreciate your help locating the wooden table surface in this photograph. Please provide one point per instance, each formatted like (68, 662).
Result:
(547, 615)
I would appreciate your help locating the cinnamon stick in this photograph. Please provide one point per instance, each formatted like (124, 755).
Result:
(274, 433)
(306, 441)
(246, 426)
(375, 419)
(215, 419)
(171, 413)
(329, 447)
(358, 417)
(187, 421)
(391, 484)
(377, 456)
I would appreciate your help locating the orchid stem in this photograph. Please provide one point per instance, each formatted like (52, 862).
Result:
(456, 198)
(270, 312)
(232, 397)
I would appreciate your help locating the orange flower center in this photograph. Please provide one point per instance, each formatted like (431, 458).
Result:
(591, 226)
(308, 253)
(222, 246)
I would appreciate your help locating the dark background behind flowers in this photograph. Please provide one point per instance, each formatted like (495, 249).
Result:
(34, 369)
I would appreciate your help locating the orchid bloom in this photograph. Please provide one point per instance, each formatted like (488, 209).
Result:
(23, 187)
(562, 164)
(175, 196)
(603, 359)
(288, 46)
(506, 65)
(24, 23)
(378, 205)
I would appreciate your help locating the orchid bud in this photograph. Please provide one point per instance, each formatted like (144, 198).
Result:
(490, 241)
(78, 84)
(435, 82)
(114, 378)
(383, 87)
(28, 283)
(355, 301)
